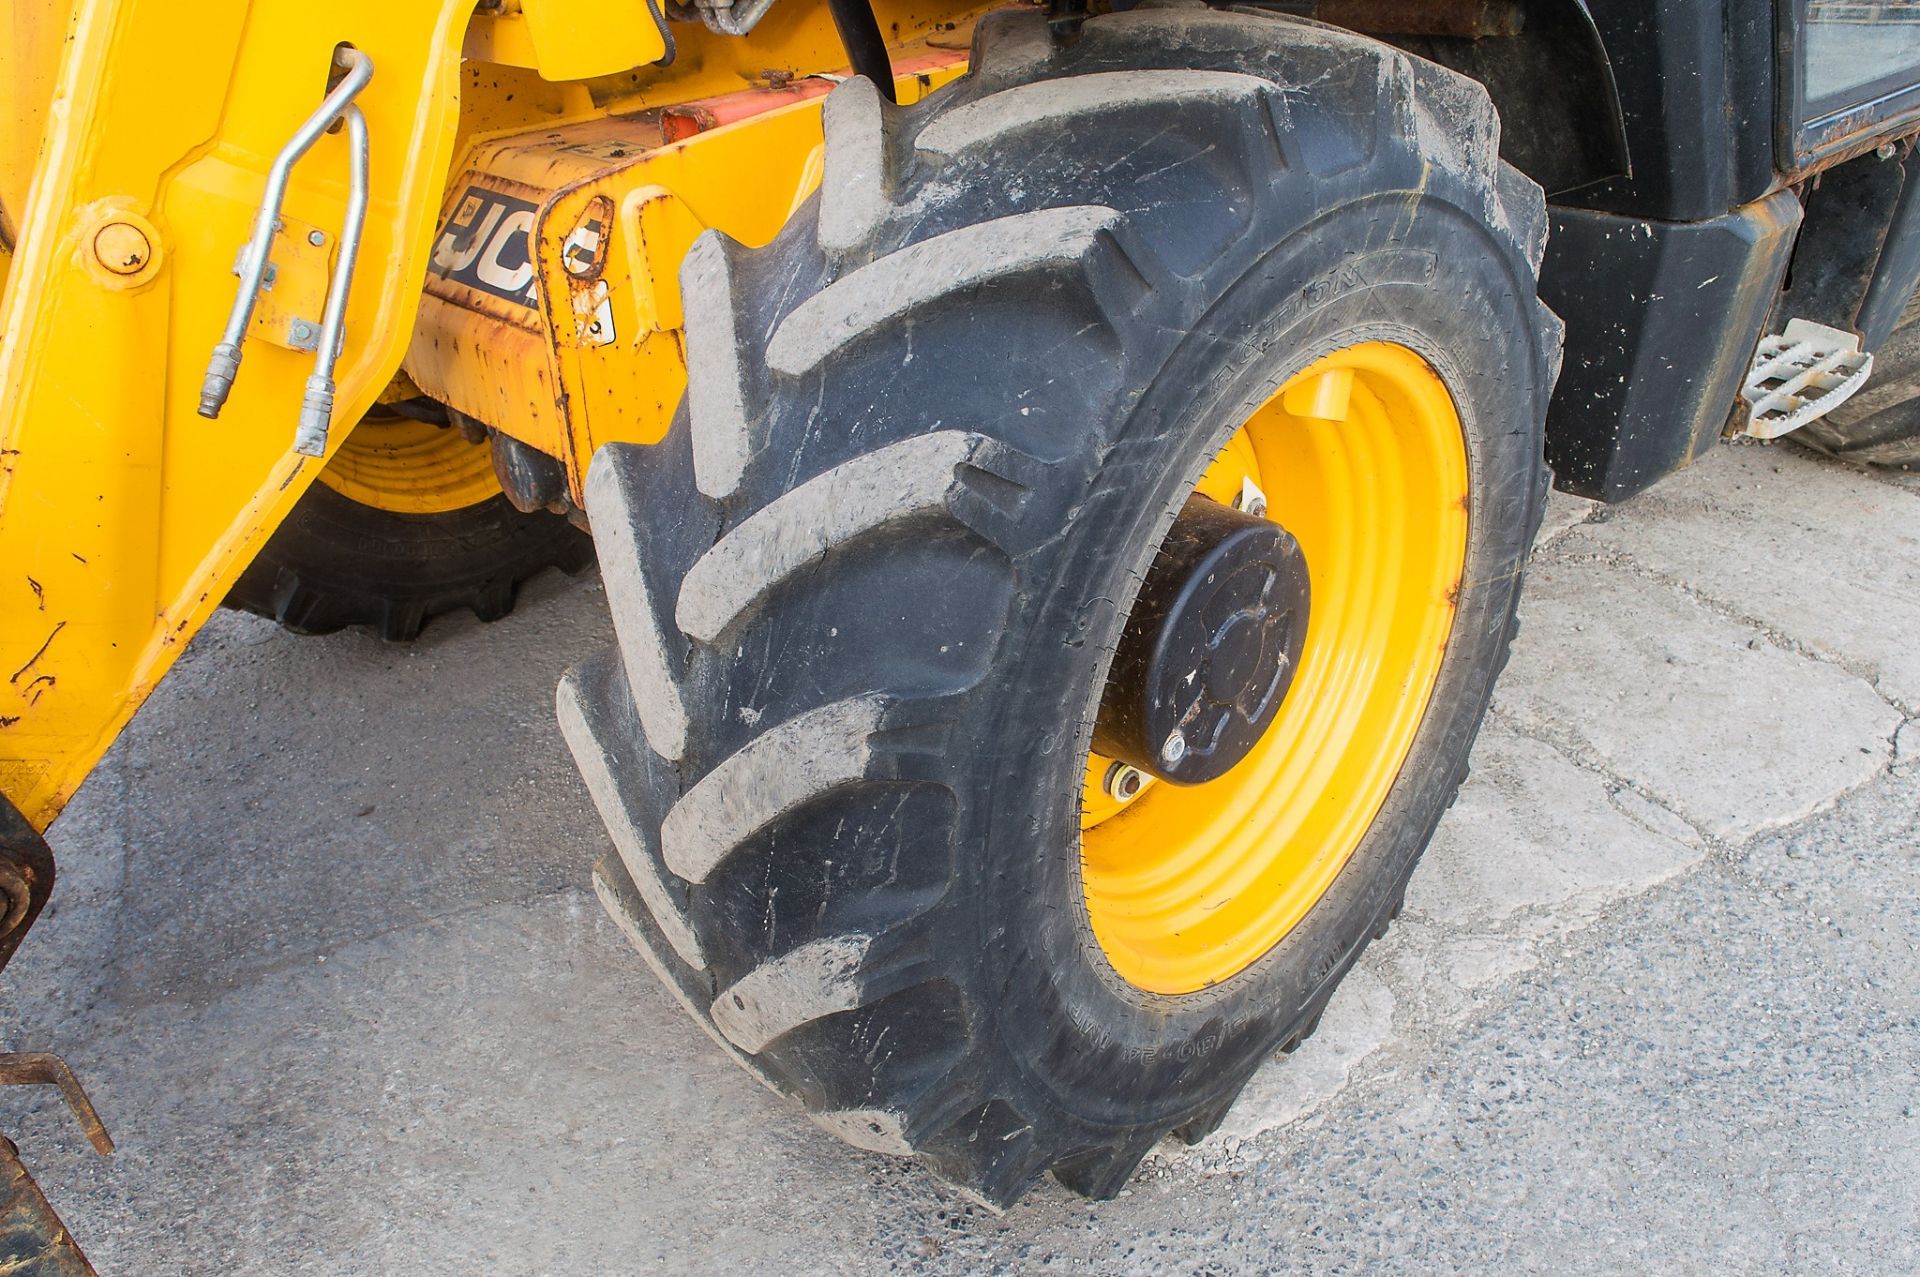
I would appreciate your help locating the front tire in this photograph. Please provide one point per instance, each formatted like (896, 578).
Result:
(867, 589)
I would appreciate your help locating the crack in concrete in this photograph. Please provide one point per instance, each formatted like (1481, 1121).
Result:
(1623, 560)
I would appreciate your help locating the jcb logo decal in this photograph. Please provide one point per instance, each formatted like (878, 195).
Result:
(485, 244)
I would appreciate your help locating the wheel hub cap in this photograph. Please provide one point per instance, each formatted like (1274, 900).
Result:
(1210, 648)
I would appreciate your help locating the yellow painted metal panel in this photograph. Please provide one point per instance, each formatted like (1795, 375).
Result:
(32, 33)
(574, 41)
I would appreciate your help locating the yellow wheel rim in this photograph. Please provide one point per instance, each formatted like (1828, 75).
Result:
(405, 466)
(1360, 457)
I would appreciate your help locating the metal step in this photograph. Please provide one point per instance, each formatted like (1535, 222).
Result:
(1801, 375)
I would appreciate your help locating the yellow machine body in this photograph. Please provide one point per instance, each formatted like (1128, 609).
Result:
(552, 305)
(534, 182)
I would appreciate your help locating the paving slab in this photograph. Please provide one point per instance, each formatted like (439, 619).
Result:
(1534, 848)
(387, 780)
(1814, 550)
(1533, 832)
(1701, 713)
(500, 1090)
(1666, 1095)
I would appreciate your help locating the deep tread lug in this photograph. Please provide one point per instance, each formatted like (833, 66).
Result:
(589, 704)
(1102, 1174)
(873, 297)
(776, 772)
(654, 656)
(716, 374)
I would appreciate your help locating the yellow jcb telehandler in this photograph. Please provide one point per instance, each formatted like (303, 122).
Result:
(1062, 472)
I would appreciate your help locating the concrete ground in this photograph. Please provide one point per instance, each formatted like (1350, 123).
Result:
(325, 952)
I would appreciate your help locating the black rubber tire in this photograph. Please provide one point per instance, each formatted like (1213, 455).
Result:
(866, 589)
(336, 562)
(1880, 426)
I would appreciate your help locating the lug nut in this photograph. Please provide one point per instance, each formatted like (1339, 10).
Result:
(1251, 499)
(1124, 782)
(122, 248)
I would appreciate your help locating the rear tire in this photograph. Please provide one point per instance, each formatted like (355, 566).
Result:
(1880, 426)
(338, 560)
(866, 590)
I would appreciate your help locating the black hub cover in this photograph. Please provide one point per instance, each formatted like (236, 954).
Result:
(1210, 647)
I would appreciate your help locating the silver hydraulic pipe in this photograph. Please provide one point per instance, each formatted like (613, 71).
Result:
(224, 366)
(316, 409)
(730, 18)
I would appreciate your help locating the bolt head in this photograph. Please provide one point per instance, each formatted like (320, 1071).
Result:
(1124, 782)
(1250, 499)
(316, 238)
(122, 248)
(1174, 749)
